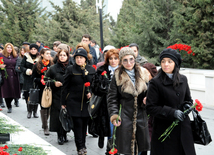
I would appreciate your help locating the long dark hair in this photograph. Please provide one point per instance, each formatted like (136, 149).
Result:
(175, 78)
(39, 63)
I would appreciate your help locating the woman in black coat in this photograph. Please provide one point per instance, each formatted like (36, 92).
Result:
(39, 69)
(56, 73)
(75, 96)
(166, 96)
(26, 67)
(128, 89)
(100, 84)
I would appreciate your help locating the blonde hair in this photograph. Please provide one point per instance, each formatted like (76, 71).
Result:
(6, 54)
(85, 47)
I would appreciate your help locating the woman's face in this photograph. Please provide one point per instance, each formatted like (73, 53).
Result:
(63, 57)
(9, 49)
(33, 51)
(55, 48)
(128, 62)
(80, 60)
(47, 55)
(113, 61)
(167, 65)
(1, 50)
(22, 52)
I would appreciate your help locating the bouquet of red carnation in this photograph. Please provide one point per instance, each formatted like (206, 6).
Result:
(2, 63)
(4, 149)
(198, 106)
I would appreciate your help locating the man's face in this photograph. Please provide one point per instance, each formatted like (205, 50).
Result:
(135, 50)
(85, 40)
(38, 44)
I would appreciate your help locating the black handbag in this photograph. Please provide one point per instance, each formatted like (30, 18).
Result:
(33, 96)
(94, 105)
(65, 120)
(1, 80)
(200, 131)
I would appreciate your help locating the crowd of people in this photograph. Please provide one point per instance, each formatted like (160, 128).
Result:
(131, 90)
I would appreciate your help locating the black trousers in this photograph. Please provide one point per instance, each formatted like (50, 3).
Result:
(8, 102)
(80, 129)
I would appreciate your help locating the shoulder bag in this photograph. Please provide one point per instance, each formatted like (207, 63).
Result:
(33, 98)
(46, 96)
(65, 120)
(200, 131)
(94, 105)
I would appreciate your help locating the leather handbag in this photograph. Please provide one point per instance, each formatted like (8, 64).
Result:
(94, 105)
(46, 96)
(200, 131)
(1, 80)
(33, 98)
(65, 120)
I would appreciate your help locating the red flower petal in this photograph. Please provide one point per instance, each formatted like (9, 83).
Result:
(95, 67)
(87, 84)
(103, 73)
(20, 149)
(6, 147)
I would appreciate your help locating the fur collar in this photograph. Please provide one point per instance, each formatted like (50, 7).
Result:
(127, 85)
(29, 59)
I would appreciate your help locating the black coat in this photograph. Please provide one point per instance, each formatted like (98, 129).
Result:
(162, 101)
(101, 124)
(37, 79)
(74, 91)
(134, 123)
(56, 73)
(18, 70)
(27, 63)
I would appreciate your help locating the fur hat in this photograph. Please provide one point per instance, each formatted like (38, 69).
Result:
(151, 68)
(108, 47)
(34, 45)
(126, 51)
(81, 52)
(64, 47)
(172, 54)
(57, 43)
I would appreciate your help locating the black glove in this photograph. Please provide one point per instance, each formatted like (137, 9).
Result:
(179, 115)
(186, 106)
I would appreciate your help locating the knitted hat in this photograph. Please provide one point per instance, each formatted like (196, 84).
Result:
(134, 44)
(151, 68)
(25, 43)
(172, 54)
(64, 47)
(81, 52)
(126, 51)
(108, 47)
(34, 46)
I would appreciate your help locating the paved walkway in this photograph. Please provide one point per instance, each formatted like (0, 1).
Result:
(19, 114)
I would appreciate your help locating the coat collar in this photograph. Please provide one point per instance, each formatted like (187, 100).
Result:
(127, 85)
(29, 59)
(167, 81)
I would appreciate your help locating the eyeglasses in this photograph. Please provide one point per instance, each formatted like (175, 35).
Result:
(131, 61)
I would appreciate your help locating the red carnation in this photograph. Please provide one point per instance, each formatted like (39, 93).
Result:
(104, 73)
(87, 84)
(6, 147)
(113, 151)
(42, 81)
(0, 109)
(193, 54)
(42, 76)
(44, 69)
(1, 61)
(20, 149)
(95, 67)
(199, 106)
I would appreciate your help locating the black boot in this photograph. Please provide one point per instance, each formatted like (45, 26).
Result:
(16, 102)
(2, 103)
(44, 118)
(60, 138)
(101, 142)
(29, 108)
(65, 136)
(35, 115)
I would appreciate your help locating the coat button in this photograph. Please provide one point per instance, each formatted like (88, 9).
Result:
(177, 94)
